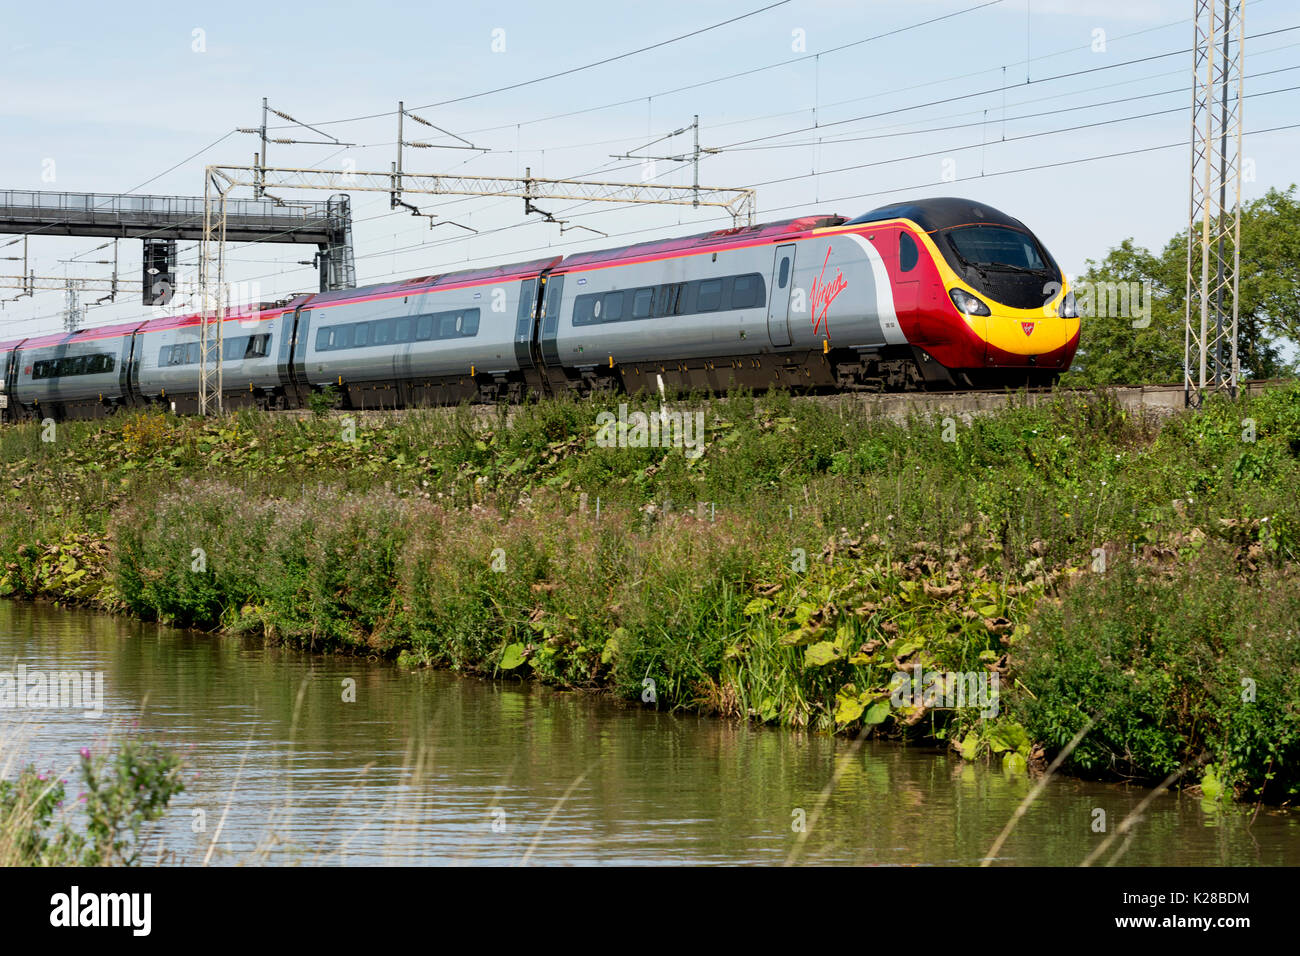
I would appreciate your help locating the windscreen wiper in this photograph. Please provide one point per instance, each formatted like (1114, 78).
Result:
(1008, 267)
(964, 261)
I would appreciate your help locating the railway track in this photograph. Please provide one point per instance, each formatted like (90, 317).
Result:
(1158, 400)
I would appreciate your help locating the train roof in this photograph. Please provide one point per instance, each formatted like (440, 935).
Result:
(940, 213)
(681, 244)
(268, 310)
(83, 335)
(424, 283)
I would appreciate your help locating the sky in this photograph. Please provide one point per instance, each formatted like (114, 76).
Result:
(97, 99)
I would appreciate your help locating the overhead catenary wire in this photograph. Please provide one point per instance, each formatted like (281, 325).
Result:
(937, 129)
(918, 186)
(804, 204)
(842, 47)
(828, 142)
(572, 70)
(891, 160)
(730, 76)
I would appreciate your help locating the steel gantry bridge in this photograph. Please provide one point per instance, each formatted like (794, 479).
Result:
(162, 220)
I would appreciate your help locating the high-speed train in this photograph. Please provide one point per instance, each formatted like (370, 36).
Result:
(930, 294)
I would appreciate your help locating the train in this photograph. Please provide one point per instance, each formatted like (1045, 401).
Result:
(928, 294)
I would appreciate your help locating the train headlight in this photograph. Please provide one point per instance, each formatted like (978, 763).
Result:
(1069, 310)
(967, 303)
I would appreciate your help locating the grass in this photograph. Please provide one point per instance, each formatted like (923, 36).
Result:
(1106, 565)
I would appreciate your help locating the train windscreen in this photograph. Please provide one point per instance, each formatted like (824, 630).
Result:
(1006, 264)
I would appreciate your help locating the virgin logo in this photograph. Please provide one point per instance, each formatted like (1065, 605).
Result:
(823, 295)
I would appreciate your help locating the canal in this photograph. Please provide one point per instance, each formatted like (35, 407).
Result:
(433, 768)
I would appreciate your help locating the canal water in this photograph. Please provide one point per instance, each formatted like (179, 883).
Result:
(433, 768)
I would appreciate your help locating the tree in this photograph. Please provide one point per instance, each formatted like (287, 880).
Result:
(1133, 302)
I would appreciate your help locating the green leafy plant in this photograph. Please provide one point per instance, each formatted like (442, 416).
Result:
(125, 789)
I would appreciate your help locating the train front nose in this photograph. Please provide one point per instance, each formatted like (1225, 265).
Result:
(1043, 338)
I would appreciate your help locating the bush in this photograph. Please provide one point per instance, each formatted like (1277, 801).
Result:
(1197, 662)
(125, 789)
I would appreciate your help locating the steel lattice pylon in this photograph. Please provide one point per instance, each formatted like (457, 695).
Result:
(1210, 360)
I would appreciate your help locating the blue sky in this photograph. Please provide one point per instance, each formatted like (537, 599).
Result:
(116, 98)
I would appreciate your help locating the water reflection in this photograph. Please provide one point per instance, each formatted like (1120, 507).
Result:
(434, 768)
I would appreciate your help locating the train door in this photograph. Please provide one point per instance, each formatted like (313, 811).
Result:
(6, 384)
(292, 362)
(525, 318)
(130, 376)
(778, 303)
(550, 328)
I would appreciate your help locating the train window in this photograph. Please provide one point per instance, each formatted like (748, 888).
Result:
(421, 328)
(192, 354)
(996, 246)
(746, 292)
(784, 275)
(95, 364)
(672, 298)
(907, 252)
(663, 300)
(643, 303)
(258, 346)
(710, 296)
(612, 307)
(685, 292)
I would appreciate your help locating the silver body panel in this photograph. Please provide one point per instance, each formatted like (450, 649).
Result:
(860, 313)
(31, 387)
(490, 349)
(159, 373)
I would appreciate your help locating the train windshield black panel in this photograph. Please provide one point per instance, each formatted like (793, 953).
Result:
(1008, 265)
(997, 247)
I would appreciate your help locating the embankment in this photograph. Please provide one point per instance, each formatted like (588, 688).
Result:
(1137, 572)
